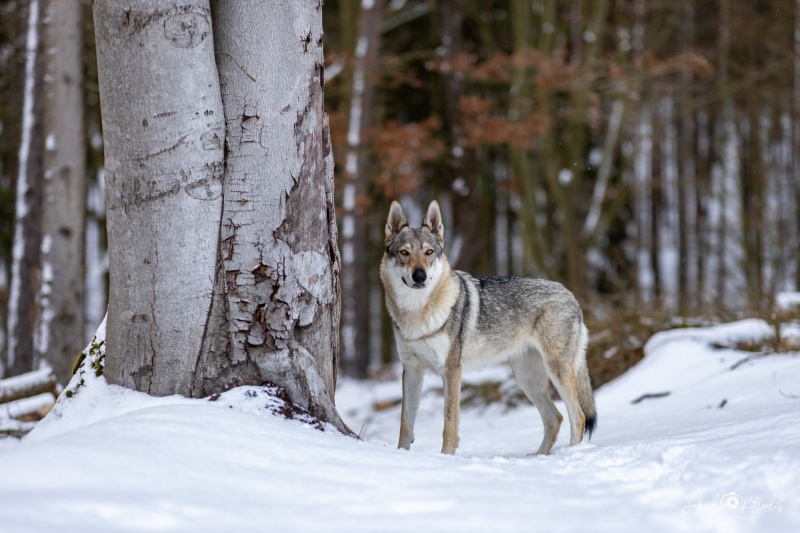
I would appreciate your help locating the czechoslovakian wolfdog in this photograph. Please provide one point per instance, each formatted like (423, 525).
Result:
(446, 319)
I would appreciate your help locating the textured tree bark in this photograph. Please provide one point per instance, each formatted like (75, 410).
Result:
(59, 332)
(163, 127)
(25, 254)
(278, 239)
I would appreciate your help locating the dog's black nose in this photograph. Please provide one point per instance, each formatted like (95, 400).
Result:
(419, 275)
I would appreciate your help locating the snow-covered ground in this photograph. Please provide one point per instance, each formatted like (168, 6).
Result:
(720, 452)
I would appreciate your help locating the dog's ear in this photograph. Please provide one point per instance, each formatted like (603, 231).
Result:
(396, 222)
(433, 221)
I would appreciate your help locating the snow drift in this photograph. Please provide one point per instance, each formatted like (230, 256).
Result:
(703, 448)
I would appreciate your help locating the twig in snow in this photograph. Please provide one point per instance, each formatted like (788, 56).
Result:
(650, 395)
(789, 396)
(745, 360)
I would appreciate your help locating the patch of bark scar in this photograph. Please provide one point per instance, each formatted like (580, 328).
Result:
(136, 21)
(168, 149)
(229, 243)
(215, 295)
(306, 41)
(154, 268)
(238, 64)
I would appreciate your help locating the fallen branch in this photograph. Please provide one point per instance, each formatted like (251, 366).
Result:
(746, 360)
(650, 395)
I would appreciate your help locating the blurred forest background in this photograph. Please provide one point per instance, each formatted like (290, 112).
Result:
(642, 152)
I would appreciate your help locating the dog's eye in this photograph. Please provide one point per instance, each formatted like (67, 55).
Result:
(404, 252)
(429, 251)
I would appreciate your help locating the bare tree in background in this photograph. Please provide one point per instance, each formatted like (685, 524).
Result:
(355, 305)
(59, 332)
(25, 252)
(45, 316)
(464, 179)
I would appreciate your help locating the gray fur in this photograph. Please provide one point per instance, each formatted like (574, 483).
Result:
(453, 320)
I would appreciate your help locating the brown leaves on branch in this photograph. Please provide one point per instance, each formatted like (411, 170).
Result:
(557, 73)
(484, 125)
(499, 68)
(402, 150)
(398, 71)
(681, 64)
(510, 100)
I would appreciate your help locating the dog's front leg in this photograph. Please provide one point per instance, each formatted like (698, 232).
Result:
(412, 391)
(452, 399)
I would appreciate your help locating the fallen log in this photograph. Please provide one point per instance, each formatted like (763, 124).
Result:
(28, 384)
(33, 408)
(15, 428)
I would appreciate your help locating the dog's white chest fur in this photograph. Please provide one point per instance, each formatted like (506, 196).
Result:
(424, 336)
(431, 351)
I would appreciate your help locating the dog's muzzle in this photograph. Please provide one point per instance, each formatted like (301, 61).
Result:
(419, 276)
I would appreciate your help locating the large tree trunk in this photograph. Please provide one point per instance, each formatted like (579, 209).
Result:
(59, 334)
(25, 254)
(211, 285)
(279, 250)
(163, 127)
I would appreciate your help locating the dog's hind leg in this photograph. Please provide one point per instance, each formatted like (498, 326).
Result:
(559, 341)
(531, 375)
(564, 376)
(412, 391)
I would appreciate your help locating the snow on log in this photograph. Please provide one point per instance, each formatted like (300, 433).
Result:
(34, 406)
(28, 384)
(15, 428)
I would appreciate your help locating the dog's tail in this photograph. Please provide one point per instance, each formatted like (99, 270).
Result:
(585, 397)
